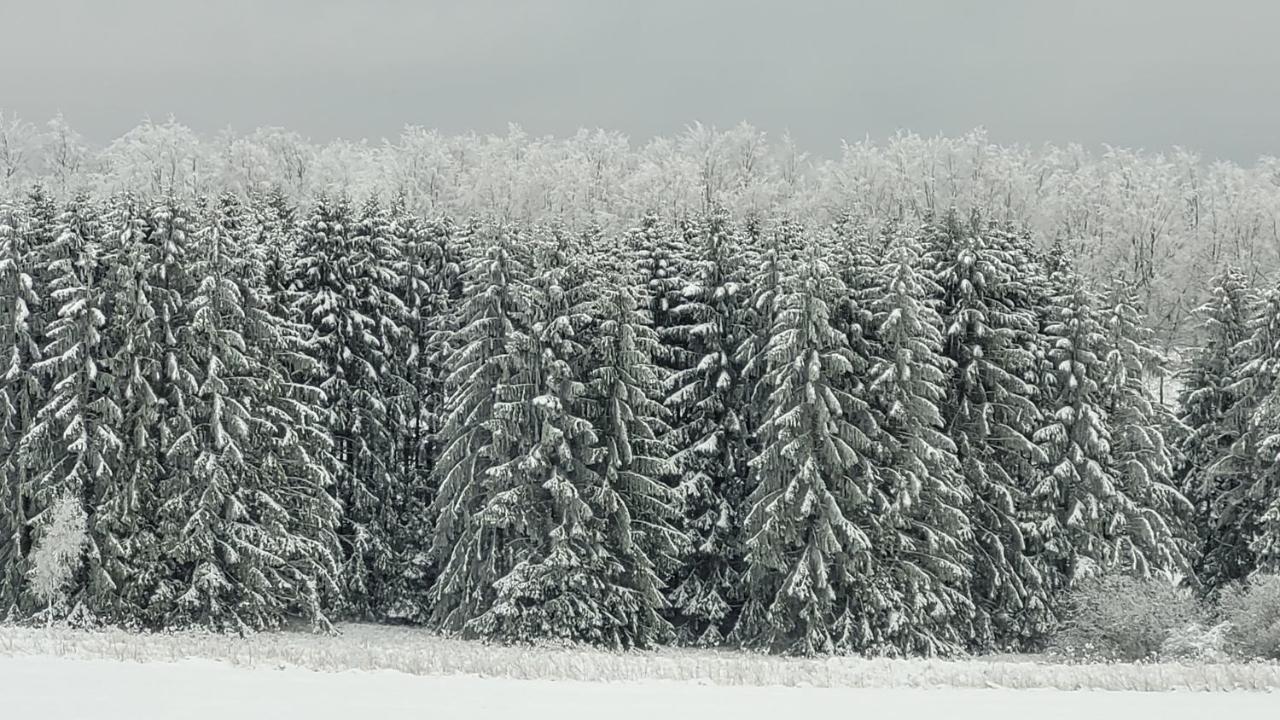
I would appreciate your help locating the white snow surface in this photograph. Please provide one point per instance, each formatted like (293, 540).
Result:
(62, 688)
(419, 652)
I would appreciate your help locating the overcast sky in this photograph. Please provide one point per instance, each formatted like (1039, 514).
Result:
(1138, 73)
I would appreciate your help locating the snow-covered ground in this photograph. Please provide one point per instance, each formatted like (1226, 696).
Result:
(370, 671)
(65, 688)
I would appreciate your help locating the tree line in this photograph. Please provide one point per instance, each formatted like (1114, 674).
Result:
(723, 429)
(1165, 221)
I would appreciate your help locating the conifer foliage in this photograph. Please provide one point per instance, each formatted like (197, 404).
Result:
(1216, 410)
(991, 414)
(805, 553)
(708, 437)
(714, 429)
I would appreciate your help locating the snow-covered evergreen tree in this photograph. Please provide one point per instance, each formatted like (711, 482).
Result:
(74, 444)
(344, 280)
(166, 265)
(1217, 411)
(372, 504)
(926, 553)
(661, 272)
(991, 415)
(545, 500)
(19, 395)
(1143, 463)
(805, 552)
(1102, 514)
(1077, 490)
(241, 558)
(275, 247)
(427, 265)
(709, 439)
(1251, 504)
(476, 437)
(129, 291)
(640, 511)
(773, 260)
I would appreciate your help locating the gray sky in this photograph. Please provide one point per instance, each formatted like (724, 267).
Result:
(1138, 73)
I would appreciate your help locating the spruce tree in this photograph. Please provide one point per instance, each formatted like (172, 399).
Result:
(1217, 411)
(275, 247)
(295, 443)
(131, 508)
(926, 554)
(640, 511)
(1102, 519)
(344, 279)
(174, 380)
(1143, 462)
(773, 260)
(709, 439)
(20, 392)
(73, 444)
(805, 554)
(991, 414)
(241, 556)
(427, 266)
(661, 266)
(477, 436)
(1253, 505)
(544, 500)
(375, 322)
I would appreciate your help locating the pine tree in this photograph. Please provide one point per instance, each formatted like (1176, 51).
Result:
(428, 268)
(1143, 462)
(545, 500)
(1217, 411)
(1254, 504)
(241, 557)
(74, 442)
(927, 553)
(708, 436)
(174, 381)
(130, 509)
(19, 395)
(476, 436)
(344, 277)
(805, 554)
(991, 414)
(640, 510)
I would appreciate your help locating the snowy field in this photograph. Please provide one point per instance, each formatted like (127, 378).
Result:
(440, 662)
(71, 688)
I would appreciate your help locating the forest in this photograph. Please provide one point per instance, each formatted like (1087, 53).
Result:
(701, 391)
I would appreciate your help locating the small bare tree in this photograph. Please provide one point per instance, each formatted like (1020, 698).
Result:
(58, 553)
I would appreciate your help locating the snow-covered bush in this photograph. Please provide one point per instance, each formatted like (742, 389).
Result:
(1197, 643)
(1116, 617)
(1252, 612)
(57, 553)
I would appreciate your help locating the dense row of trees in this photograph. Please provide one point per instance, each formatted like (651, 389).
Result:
(1167, 221)
(730, 428)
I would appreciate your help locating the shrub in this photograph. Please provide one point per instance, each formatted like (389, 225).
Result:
(1197, 643)
(1115, 617)
(1252, 611)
